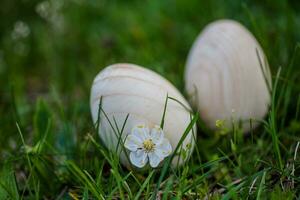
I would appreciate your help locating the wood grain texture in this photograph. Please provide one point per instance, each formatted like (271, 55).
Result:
(141, 93)
(224, 78)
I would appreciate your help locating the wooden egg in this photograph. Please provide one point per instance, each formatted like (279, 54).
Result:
(141, 93)
(227, 76)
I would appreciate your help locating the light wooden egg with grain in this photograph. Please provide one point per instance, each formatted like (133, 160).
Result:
(227, 76)
(141, 93)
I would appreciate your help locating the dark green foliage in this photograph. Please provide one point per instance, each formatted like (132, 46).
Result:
(8, 185)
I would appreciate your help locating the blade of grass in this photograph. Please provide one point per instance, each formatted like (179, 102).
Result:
(195, 183)
(120, 182)
(137, 197)
(167, 163)
(272, 122)
(99, 115)
(162, 123)
(168, 188)
(8, 184)
(186, 108)
(261, 185)
(117, 134)
(264, 72)
(123, 127)
(82, 177)
(122, 130)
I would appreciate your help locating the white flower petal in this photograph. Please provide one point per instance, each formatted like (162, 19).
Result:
(141, 131)
(133, 143)
(138, 158)
(137, 134)
(163, 149)
(154, 159)
(157, 135)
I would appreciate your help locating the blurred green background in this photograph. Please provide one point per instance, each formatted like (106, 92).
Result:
(52, 50)
(59, 46)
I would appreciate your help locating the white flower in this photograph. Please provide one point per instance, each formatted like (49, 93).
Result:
(145, 145)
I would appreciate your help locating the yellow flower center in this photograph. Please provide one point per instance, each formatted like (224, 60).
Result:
(148, 145)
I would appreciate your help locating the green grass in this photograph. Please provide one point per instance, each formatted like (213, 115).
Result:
(49, 146)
